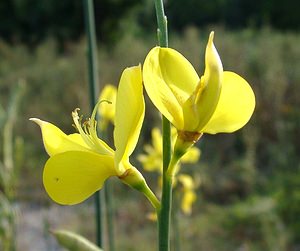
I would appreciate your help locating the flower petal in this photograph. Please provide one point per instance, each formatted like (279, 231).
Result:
(71, 177)
(191, 156)
(130, 111)
(186, 181)
(201, 105)
(169, 79)
(157, 140)
(76, 137)
(56, 141)
(235, 107)
(188, 199)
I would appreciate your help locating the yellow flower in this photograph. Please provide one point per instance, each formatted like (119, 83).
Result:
(107, 109)
(219, 101)
(189, 196)
(80, 163)
(152, 160)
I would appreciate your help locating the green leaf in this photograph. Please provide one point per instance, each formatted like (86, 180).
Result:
(74, 242)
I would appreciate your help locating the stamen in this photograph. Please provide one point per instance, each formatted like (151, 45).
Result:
(88, 129)
(82, 130)
(93, 124)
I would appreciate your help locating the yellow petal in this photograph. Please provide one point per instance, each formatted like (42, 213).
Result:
(56, 141)
(186, 181)
(188, 199)
(130, 111)
(202, 103)
(169, 80)
(76, 137)
(191, 156)
(157, 140)
(235, 107)
(71, 177)
(102, 147)
(151, 216)
(151, 163)
(106, 110)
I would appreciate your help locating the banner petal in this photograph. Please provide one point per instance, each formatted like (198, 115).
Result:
(130, 111)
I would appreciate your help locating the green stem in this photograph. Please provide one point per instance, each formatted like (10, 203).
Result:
(93, 87)
(164, 214)
(161, 23)
(173, 167)
(109, 202)
(152, 198)
(98, 217)
(92, 51)
(109, 214)
(175, 221)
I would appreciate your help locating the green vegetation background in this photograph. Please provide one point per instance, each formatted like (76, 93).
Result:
(249, 194)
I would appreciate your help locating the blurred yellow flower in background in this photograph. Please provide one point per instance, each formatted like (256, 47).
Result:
(189, 195)
(107, 108)
(152, 160)
(184, 183)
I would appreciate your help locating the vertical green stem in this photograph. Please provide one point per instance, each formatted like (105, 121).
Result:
(109, 205)
(164, 214)
(93, 87)
(109, 214)
(161, 23)
(164, 218)
(91, 51)
(175, 224)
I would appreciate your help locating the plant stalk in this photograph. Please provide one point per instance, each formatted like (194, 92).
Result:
(162, 30)
(109, 214)
(164, 214)
(175, 224)
(93, 87)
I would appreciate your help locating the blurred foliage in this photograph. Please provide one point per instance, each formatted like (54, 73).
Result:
(251, 225)
(249, 193)
(233, 13)
(7, 223)
(31, 21)
(288, 197)
(10, 161)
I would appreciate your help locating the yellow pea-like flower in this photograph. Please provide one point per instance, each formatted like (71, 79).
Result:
(80, 163)
(219, 101)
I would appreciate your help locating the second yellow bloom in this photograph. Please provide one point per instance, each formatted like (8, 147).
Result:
(219, 101)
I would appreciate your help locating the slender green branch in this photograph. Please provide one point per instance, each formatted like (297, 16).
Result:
(109, 204)
(152, 198)
(109, 214)
(93, 84)
(173, 167)
(164, 215)
(162, 23)
(175, 223)
(92, 51)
